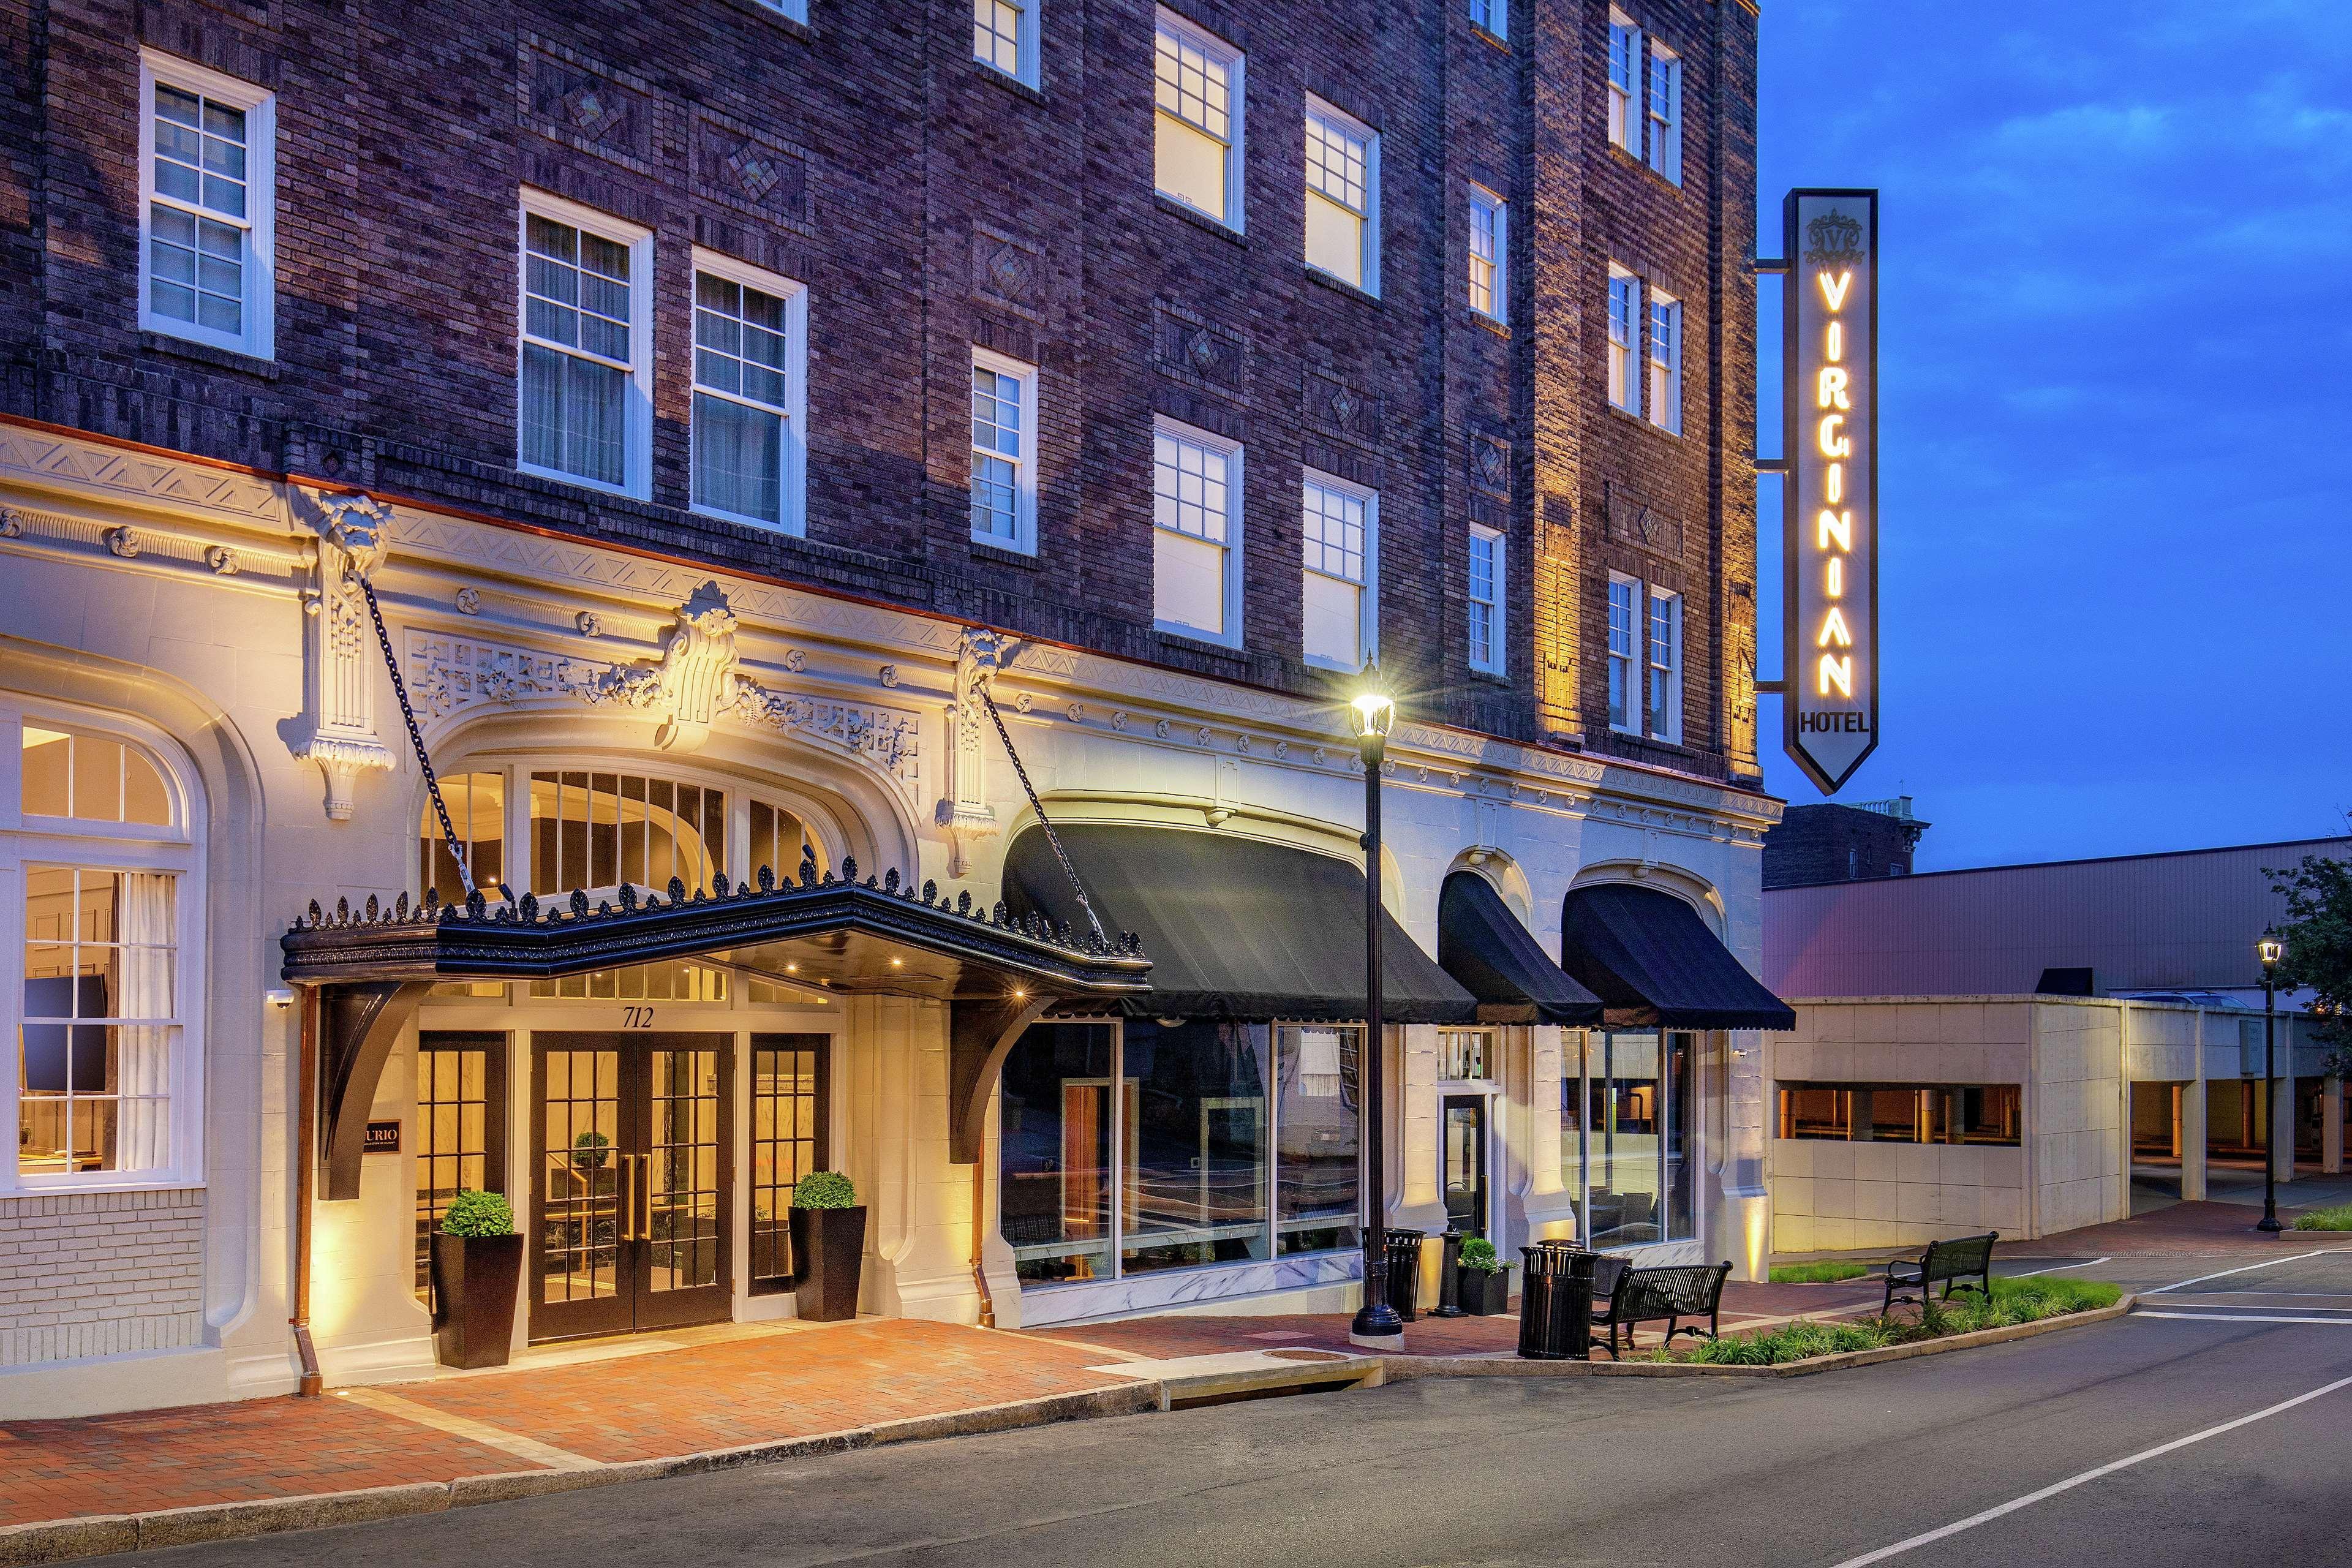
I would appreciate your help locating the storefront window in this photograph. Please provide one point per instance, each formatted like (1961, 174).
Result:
(460, 1134)
(1624, 1139)
(1055, 1152)
(1900, 1113)
(1316, 1152)
(788, 1128)
(1198, 1165)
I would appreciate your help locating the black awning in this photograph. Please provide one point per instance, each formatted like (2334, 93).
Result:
(1236, 928)
(1482, 944)
(1652, 962)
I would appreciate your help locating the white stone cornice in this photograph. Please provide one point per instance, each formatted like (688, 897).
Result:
(83, 469)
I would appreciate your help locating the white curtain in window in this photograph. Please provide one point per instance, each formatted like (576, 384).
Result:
(145, 916)
(737, 458)
(574, 415)
(1318, 1063)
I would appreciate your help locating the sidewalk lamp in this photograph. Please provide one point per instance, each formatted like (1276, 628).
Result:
(2269, 950)
(1371, 714)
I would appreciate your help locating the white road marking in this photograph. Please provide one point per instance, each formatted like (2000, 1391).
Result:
(2248, 1268)
(2071, 1482)
(2245, 1318)
(2057, 1268)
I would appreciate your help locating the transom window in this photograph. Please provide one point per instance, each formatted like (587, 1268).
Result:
(1489, 253)
(746, 364)
(1338, 525)
(207, 178)
(585, 347)
(1342, 170)
(1195, 514)
(90, 778)
(1466, 1055)
(1196, 83)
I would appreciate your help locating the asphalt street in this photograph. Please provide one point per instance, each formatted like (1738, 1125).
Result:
(2213, 1429)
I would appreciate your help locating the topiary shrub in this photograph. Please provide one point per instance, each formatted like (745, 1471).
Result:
(478, 1214)
(823, 1189)
(1479, 1256)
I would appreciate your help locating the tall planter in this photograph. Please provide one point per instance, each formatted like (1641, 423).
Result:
(475, 1278)
(1484, 1293)
(828, 1255)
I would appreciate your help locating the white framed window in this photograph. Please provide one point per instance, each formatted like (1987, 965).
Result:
(1624, 81)
(1665, 356)
(1340, 525)
(207, 183)
(1625, 322)
(1487, 599)
(751, 359)
(1196, 515)
(586, 409)
(101, 902)
(1490, 254)
(1005, 38)
(1197, 141)
(796, 9)
(1343, 196)
(1666, 111)
(1625, 628)
(1663, 658)
(1003, 452)
(1492, 17)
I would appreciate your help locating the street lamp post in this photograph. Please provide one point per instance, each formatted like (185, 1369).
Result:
(1376, 1320)
(2269, 950)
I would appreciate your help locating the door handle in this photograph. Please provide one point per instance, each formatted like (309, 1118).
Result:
(645, 1197)
(626, 1219)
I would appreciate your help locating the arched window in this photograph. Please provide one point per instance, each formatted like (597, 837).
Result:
(103, 914)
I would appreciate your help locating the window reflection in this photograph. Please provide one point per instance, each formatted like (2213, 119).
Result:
(1626, 1103)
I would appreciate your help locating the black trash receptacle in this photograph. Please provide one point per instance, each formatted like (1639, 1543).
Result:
(1556, 1302)
(1404, 1272)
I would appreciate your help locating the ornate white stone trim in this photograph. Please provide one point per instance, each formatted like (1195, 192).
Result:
(339, 653)
(963, 810)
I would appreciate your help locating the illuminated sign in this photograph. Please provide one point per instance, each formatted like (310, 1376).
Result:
(1829, 323)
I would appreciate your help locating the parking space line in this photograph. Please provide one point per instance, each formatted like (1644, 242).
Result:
(2071, 1482)
(2059, 1268)
(2245, 1268)
(2193, 1316)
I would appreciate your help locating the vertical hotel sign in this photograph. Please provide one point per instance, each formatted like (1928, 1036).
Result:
(1830, 320)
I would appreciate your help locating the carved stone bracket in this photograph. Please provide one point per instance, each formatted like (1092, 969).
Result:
(337, 729)
(692, 683)
(965, 810)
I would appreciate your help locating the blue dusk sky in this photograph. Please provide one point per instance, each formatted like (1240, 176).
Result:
(2116, 325)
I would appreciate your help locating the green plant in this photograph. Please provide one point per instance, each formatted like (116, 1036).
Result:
(1479, 1256)
(590, 1151)
(1788, 1341)
(1817, 1273)
(478, 1214)
(823, 1189)
(2336, 1219)
(2011, 1301)
(2318, 936)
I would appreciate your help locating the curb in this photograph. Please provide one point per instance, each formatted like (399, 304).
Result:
(1401, 1369)
(96, 1535)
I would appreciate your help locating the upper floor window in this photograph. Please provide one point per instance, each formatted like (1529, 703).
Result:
(750, 336)
(1624, 81)
(1665, 113)
(1196, 515)
(1665, 358)
(1490, 235)
(1341, 528)
(1005, 36)
(1664, 697)
(1343, 167)
(1492, 17)
(1624, 611)
(1003, 451)
(205, 198)
(1198, 138)
(1487, 599)
(104, 1078)
(1624, 317)
(587, 347)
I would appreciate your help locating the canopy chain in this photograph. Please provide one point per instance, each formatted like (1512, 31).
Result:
(1045, 822)
(416, 736)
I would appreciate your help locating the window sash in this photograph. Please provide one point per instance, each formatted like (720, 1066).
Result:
(1623, 595)
(1003, 448)
(1485, 595)
(1664, 352)
(1624, 81)
(1624, 294)
(206, 163)
(1193, 84)
(1665, 660)
(1489, 232)
(997, 26)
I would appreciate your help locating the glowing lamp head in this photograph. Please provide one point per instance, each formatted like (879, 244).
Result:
(2269, 950)
(1372, 713)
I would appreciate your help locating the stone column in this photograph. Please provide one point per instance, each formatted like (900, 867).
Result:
(2331, 1125)
(2192, 1139)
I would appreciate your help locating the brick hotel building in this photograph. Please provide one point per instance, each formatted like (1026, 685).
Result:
(731, 405)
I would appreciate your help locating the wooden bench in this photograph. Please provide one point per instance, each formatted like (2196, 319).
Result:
(1665, 1295)
(1952, 1264)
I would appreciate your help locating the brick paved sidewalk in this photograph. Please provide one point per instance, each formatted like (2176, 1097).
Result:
(798, 1381)
(2208, 1229)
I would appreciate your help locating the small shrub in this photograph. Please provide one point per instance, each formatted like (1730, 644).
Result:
(1479, 1256)
(823, 1189)
(1788, 1341)
(590, 1151)
(478, 1214)
(2336, 1219)
(1817, 1273)
(2011, 1301)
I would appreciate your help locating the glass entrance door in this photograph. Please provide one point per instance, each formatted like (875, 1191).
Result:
(1466, 1163)
(631, 1207)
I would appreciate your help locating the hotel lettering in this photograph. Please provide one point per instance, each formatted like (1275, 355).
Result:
(1830, 621)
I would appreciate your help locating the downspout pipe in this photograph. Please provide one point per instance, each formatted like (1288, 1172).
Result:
(306, 1175)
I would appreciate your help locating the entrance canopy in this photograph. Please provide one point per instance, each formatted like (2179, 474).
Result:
(1237, 928)
(828, 936)
(1655, 964)
(1482, 944)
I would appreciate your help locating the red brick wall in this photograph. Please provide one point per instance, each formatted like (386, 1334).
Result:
(928, 205)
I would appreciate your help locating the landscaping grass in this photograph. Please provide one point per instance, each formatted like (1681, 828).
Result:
(2336, 1219)
(1817, 1273)
(2013, 1301)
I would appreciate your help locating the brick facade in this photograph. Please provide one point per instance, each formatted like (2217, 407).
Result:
(94, 1274)
(929, 204)
(1832, 843)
